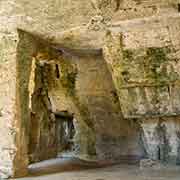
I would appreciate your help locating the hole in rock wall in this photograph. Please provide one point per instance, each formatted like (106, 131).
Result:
(45, 125)
(52, 130)
(65, 132)
(48, 107)
(57, 71)
(159, 154)
(178, 7)
(70, 107)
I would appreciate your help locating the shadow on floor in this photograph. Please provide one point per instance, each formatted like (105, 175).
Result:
(64, 164)
(70, 163)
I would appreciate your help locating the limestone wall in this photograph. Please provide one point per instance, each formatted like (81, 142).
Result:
(17, 14)
(7, 101)
(47, 19)
(93, 100)
(42, 130)
(130, 9)
(157, 87)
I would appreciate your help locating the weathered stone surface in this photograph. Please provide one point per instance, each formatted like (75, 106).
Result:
(89, 94)
(43, 141)
(7, 102)
(161, 139)
(144, 69)
(79, 27)
(149, 164)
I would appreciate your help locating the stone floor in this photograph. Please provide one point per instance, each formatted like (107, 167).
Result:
(112, 173)
(117, 172)
(57, 169)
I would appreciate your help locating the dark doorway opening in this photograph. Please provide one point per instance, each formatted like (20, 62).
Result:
(65, 132)
(179, 7)
(57, 72)
(159, 153)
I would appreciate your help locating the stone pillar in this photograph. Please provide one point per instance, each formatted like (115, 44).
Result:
(25, 50)
(8, 45)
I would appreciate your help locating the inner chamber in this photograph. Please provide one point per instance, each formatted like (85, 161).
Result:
(75, 110)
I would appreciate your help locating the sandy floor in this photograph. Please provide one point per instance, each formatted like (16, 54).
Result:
(116, 172)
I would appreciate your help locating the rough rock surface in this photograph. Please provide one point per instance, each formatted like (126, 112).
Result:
(149, 164)
(114, 120)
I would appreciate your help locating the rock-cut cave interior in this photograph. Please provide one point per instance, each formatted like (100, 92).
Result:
(78, 105)
(90, 85)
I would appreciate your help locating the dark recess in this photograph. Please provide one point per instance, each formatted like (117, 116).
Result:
(179, 7)
(57, 71)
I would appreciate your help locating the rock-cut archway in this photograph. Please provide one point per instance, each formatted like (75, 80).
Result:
(53, 79)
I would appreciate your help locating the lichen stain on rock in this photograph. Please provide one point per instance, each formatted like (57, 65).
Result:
(145, 70)
(68, 77)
